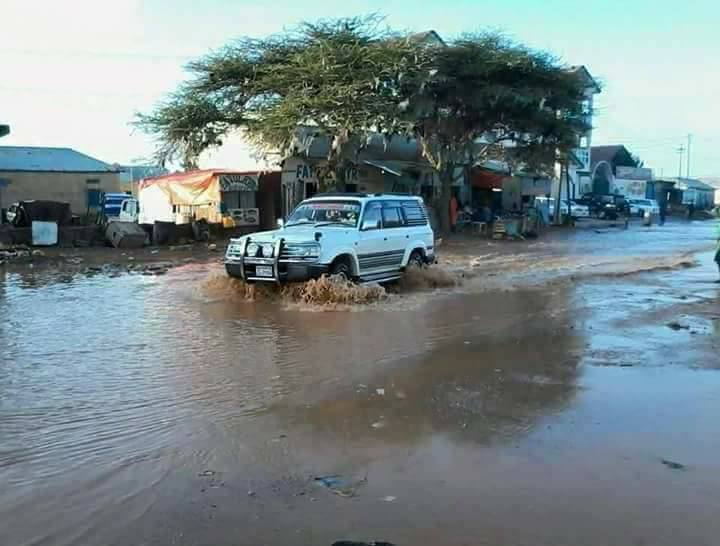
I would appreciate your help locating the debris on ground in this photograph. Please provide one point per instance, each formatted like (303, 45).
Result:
(207, 473)
(378, 425)
(380, 392)
(339, 485)
(672, 464)
(125, 235)
(14, 252)
(389, 498)
(675, 325)
(353, 543)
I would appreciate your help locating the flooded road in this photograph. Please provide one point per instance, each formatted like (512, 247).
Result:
(564, 392)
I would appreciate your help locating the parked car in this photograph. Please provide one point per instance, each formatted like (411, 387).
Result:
(368, 238)
(638, 207)
(605, 206)
(576, 209)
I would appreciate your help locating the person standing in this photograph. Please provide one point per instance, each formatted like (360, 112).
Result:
(453, 213)
(717, 248)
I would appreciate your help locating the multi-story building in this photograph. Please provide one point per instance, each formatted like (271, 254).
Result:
(574, 178)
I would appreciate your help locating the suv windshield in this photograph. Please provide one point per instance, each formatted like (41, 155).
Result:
(344, 213)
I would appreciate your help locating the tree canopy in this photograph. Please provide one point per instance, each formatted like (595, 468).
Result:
(340, 79)
(476, 98)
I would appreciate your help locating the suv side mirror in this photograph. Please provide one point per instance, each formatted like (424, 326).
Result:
(280, 223)
(368, 225)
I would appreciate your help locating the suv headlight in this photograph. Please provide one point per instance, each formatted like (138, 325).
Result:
(304, 250)
(252, 249)
(267, 250)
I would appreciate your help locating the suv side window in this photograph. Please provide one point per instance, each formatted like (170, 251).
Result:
(371, 217)
(392, 215)
(414, 213)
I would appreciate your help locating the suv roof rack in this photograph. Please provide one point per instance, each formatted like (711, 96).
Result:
(395, 194)
(340, 194)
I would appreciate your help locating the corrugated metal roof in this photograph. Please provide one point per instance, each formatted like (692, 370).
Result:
(40, 159)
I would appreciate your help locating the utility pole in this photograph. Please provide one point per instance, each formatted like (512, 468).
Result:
(680, 151)
(689, 142)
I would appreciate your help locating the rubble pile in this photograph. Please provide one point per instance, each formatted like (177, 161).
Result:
(11, 253)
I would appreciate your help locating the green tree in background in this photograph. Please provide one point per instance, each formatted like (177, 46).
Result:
(337, 81)
(491, 98)
(477, 98)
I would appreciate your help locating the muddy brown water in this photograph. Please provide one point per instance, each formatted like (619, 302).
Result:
(468, 406)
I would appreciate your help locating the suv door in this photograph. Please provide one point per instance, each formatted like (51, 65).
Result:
(396, 233)
(373, 246)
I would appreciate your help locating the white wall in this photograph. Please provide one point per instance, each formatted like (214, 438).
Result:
(154, 205)
(632, 189)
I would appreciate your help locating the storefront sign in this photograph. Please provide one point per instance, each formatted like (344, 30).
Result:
(238, 182)
(245, 217)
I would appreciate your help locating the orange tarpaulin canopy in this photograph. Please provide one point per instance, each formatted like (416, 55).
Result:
(190, 188)
(485, 179)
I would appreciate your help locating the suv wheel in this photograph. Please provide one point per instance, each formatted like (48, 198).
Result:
(341, 269)
(416, 260)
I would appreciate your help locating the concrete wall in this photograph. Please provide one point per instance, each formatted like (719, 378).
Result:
(67, 187)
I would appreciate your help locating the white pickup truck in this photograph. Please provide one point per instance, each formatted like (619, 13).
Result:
(365, 238)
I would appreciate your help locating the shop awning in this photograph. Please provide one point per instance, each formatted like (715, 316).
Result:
(384, 166)
(486, 179)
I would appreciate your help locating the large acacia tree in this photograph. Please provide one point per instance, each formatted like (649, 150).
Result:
(479, 97)
(339, 81)
(491, 98)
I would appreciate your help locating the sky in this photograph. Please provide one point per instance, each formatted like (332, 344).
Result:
(74, 73)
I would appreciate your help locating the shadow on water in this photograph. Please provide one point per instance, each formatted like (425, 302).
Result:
(479, 382)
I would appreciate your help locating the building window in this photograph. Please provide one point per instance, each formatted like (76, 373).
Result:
(93, 181)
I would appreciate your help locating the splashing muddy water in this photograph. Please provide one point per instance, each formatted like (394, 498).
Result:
(329, 293)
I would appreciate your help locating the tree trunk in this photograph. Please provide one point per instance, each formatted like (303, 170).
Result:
(446, 181)
(340, 176)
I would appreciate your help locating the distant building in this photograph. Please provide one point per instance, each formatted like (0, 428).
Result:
(713, 181)
(580, 164)
(235, 199)
(55, 174)
(604, 166)
(691, 191)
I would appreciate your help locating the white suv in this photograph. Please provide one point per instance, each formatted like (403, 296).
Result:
(368, 238)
